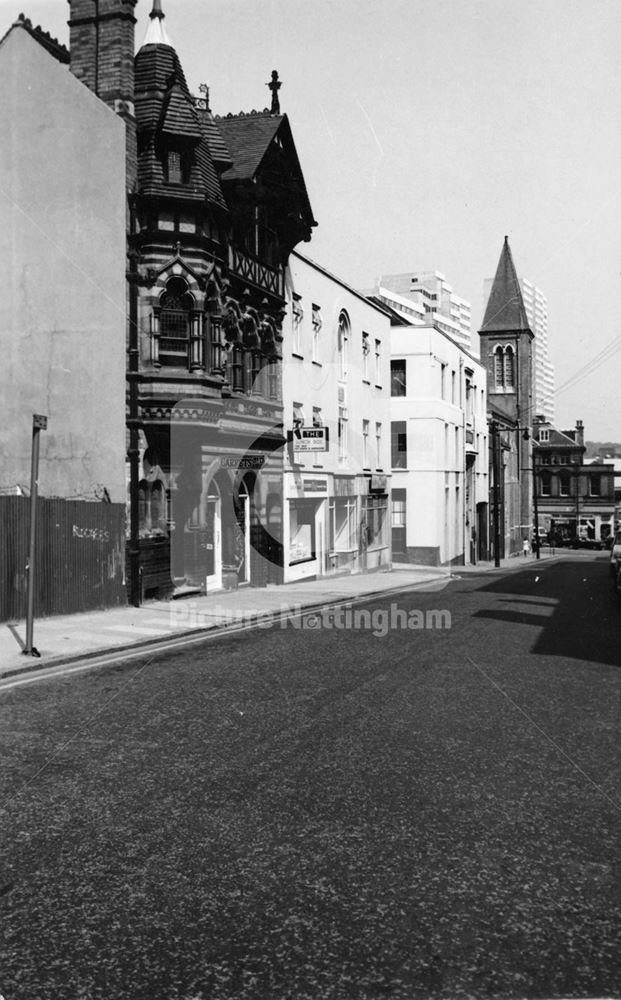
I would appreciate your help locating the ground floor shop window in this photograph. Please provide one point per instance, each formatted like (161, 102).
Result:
(301, 532)
(398, 521)
(343, 524)
(152, 507)
(375, 513)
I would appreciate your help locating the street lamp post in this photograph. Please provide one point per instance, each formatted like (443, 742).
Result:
(39, 423)
(494, 431)
(536, 511)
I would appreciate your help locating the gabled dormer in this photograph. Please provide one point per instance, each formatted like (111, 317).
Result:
(264, 185)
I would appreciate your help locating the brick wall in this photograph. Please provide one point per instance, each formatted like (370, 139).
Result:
(101, 41)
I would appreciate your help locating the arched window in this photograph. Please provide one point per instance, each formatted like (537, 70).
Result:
(152, 507)
(175, 318)
(499, 367)
(504, 368)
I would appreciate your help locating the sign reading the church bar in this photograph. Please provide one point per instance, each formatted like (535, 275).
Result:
(242, 461)
(310, 439)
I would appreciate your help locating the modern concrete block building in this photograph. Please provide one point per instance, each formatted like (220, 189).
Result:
(424, 298)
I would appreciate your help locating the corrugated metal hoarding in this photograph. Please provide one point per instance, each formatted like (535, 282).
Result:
(79, 556)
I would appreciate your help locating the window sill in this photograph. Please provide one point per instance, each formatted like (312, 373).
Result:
(318, 363)
(297, 562)
(366, 381)
(300, 357)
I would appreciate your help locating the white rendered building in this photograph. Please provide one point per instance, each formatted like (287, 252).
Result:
(439, 453)
(336, 400)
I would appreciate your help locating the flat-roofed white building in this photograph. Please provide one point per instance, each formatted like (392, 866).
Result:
(439, 449)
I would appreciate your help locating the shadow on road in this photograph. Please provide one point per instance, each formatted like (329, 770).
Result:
(572, 603)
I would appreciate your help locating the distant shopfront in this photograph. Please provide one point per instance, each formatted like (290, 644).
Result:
(335, 524)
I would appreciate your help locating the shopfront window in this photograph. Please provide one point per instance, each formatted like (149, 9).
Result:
(301, 532)
(343, 524)
(376, 511)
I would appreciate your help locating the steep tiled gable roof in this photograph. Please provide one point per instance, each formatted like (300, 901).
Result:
(51, 45)
(179, 115)
(247, 137)
(505, 310)
(217, 147)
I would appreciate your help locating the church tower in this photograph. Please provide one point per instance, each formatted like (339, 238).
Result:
(507, 352)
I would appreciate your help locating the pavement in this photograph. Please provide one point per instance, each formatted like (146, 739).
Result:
(69, 638)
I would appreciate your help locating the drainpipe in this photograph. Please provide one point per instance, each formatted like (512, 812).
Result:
(132, 422)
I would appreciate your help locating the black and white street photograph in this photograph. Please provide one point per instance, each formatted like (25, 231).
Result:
(310, 500)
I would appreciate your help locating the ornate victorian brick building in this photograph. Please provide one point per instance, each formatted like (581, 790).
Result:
(215, 206)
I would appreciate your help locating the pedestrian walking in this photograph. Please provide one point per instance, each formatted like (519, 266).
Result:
(525, 547)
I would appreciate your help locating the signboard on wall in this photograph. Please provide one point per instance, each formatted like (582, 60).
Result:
(315, 485)
(242, 461)
(310, 439)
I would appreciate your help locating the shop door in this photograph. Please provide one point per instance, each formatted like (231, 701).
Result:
(213, 539)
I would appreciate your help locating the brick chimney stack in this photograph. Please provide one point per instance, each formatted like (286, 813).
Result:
(101, 44)
(580, 433)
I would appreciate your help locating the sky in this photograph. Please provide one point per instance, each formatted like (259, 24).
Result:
(427, 130)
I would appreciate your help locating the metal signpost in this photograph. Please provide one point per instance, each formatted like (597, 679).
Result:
(39, 423)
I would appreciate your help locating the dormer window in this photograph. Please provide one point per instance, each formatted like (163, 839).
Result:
(177, 167)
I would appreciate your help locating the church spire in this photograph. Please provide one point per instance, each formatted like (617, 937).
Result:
(156, 32)
(505, 307)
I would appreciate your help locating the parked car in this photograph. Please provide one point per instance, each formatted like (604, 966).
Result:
(615, 556)
(586, 543)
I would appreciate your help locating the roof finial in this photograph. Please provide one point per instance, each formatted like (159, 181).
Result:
(274, 86)
(156, 32)
(204, 89)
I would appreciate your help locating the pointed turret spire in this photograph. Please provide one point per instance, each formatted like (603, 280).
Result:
(505, 307)
(156, 32)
